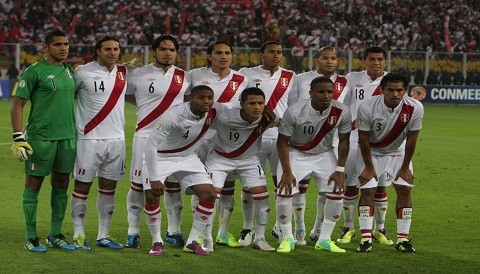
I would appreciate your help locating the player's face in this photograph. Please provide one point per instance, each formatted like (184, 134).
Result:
(108, 53)
(321, 94)
(58, 48)
(271, 56)
(221, 57)
(202, 102)
(375, 64)
(165, 54)
(327, 62)
(393, 93)
(253, 107)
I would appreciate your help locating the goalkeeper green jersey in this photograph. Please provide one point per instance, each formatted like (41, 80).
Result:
(50, 89)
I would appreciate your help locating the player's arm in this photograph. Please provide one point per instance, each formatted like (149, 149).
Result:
(366, 150)
(404, 172)
(20, 146)
(287, 181)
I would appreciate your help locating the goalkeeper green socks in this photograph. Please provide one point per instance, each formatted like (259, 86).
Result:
(58, 202)
(29, 204)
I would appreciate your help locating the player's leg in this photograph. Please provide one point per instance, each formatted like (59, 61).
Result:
(135, 196)
(246, 235)
(225, 210)
(298, 201)
(153, 219)
(29, 205)
(174, 206)
(350, 197)
(317, 227)
(365, 215)
(381, 205)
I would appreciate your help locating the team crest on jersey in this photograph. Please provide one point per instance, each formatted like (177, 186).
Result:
(404, 117)
(338, 86)
(121, 76)
(178, 79)
(332, 120)
(259, 129)
(233, 85)
(208, 121)
(284, 82)
(33, 166)
(21, 83)
(69, 74)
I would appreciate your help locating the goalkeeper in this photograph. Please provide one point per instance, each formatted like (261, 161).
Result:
(49, 142)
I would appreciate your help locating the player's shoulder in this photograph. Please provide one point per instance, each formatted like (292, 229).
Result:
(412, 102)
(86, 67)
(296, 108)
(284, 70)
(308, 75)
(250, 70)
(197, 71)
(339, 105)
(355, 75)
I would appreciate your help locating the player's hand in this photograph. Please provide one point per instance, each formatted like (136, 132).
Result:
(133, 64)
(21, 149)
(405, 174)
(338, 179)
(366, 175)
(286, 183)
(158, 188)
(268, 114)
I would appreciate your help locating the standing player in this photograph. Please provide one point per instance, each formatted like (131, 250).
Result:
(227, 84)
(363, 85)
(305, 148)
(235, 149)
(48, 146)
(100, 86)
(170, 151)
(154, 88)
(384, 124)
(279, 87)
(326, 61)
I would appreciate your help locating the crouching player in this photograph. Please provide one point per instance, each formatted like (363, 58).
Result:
(235, 149)
(384, 123)
(305, 149)
(170, 151)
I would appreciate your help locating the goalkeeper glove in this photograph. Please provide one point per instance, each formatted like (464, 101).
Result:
(133, 64)
(21, 147)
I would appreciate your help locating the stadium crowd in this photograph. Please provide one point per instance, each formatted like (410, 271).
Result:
(418, 25)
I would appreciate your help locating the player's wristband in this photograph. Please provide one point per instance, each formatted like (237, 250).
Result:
(340, 169)
(18, 136)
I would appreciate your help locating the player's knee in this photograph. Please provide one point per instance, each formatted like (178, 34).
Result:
(82, 187)
(205, 193)
(150, 198)
(351, 191)
(403, 191)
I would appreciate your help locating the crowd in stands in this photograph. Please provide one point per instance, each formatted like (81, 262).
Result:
(407, 25)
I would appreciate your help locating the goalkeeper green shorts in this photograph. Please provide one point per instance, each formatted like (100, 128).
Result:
(48, 156)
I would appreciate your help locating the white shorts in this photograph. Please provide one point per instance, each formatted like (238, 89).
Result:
(188, 170)
(350, 165)
(105, 158)
(249, 170)
(318, 166)
(136, 167)
(386, 168)
(269, 152)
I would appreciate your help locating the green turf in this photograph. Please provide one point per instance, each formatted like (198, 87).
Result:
(444, 227)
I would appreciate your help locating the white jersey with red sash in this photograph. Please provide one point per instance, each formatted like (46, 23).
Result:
(360, 88)
(311, 131)
(340, 87)
(155, 91)
(178, 131)
(236, 138)
(278, 88)
(101, 101)
(225, 90)
(389, 127)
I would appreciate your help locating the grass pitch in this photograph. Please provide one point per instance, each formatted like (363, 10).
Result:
(444, 227)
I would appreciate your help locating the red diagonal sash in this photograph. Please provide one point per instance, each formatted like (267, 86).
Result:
(257, 132)
(402, 121)
(172, 92)
(329, 123)
(111, 102)
(231, 88)
(378, 91)
(280, 88)
(338, 86)
(211, 114)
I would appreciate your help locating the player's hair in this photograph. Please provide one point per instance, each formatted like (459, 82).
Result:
(211, 47)
(166, 37)
(320, 79)
(374, 50)
(251, 91)
(98, 45)
(323, 49)
(197, 89)
(264, 45)
(394, 77)
(56, 32)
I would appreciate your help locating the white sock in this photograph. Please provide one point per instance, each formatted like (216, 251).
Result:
(201, 217)
(105, 208)
(350, 204)
(283, 207)
(174, 207)
(380, 204)
(134, 207)
(248, 209)
(225, 209)
(331, 211)
(365, 221)
(153, 217)
(78, 205)
(261, 213)
(321, 199)
(298, 203)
